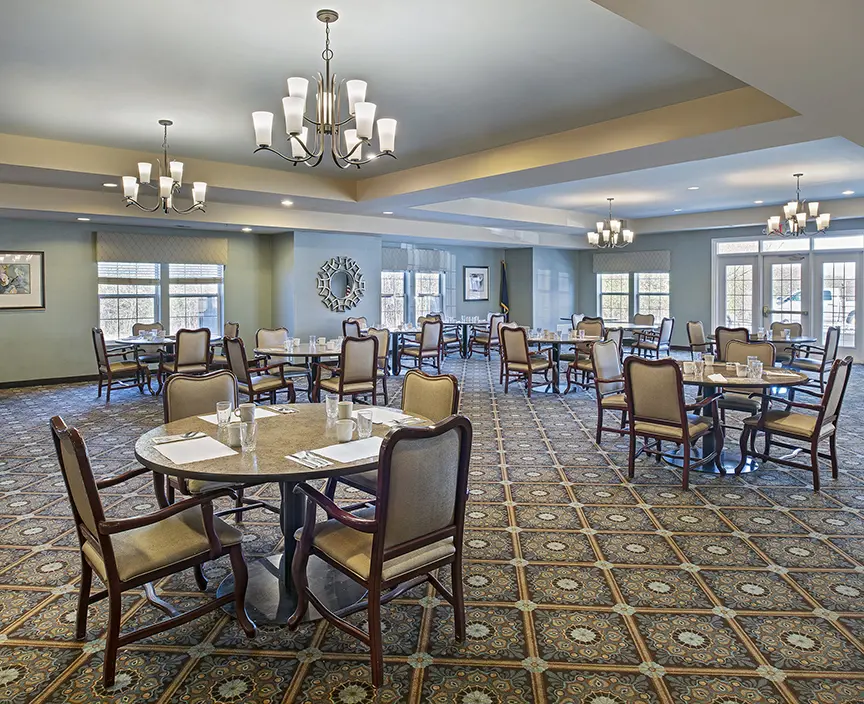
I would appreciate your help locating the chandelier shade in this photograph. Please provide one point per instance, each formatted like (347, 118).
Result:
(344, 137)
(611, 233)
(796, 217)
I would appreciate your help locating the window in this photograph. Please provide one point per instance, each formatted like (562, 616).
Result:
(614, 297)
(738, 247)
(739, 296)
(838, 300)
(392, 298)
(799, 244)
(652, 295)
(195, 296)
(841, 242)
(428, 293)
(128, 294)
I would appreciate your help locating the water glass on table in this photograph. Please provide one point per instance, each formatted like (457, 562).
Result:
(249, 436)
(331, 405)
(364, 424)
(755, 370)
(223, 412)
(699, 366)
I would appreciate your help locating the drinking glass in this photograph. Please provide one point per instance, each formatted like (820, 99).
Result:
(223, 412)
(331, 403)
(364, 424)
(742, 370)
(312, 341)
(249, 436)
(787, 334)
(699, 366)
(689, 368)
(756, 370)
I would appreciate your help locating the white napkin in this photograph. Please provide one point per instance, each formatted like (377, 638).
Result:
(779, 372)
(348, 452)
(382, 415)
(165, 439)
(259, 413)
(719, 378)
(196, 450)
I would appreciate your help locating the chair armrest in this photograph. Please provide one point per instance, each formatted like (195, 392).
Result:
(796, 404)
(124, 350)
(267, 368)
(544, 350)
(707, 401)
(364, 525)
(608, 381)
(120, 478)
(809, 349)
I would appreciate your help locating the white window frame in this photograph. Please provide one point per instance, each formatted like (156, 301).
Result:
(219, 296)
(628, 294)
(130, 281)
(637, 308)
(404, 297)
(439, 298)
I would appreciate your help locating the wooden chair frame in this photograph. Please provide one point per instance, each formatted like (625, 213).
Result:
(383, 360)
(436, 363)
(526, 375)
(115, 586)
(229, 329)
(351, 322)
(491, 329)
(336, 372)
(828, 357)
(706, 346)
(655, 336)
(118, 380)
(259, 370)
(720, 348)
(166, 359)
(379, 590)
(600, 395)
(266, 358)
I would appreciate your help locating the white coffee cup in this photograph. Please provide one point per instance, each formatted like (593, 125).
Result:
(321, 341)
(246, 412)
(345, 430)
(709, 358)
(344, 410)
(296, 341)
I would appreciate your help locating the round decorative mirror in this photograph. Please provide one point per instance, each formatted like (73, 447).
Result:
(340, 283)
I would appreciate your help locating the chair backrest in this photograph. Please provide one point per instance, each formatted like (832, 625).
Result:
(231, 330)
(192, 347)
(99, 347)
(359, 360)
(496, 320)
(667, 325)
(361, 321)
(235, 354)
(430, 335)
(593, 327)
(514, 345)
(271, 337)
(655, 391)
(835, 390)
(606, 360)
(350, 328)
(738, 351)
(643, 319)
(615, 335)
(186, 395)
(574, 320)
(832, 342)
(422, 488)
(80, 483)
(723, 336)
(696, 336)
(434, 397)
(138, 328)
(778, 330)
(383, 335)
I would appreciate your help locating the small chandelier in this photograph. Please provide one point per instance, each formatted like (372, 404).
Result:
(328, 121)
(169, 183)
(794, 221)
(610, 233)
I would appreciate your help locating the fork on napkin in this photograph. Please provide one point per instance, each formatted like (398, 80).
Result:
(307, 459)
(165, 439)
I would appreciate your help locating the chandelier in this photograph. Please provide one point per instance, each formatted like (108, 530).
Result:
(610, 233)
(170, 175)
(794, 221)
(327, 120)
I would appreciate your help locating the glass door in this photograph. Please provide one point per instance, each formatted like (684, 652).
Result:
(786, 291)
(837, 278)
(739, 289)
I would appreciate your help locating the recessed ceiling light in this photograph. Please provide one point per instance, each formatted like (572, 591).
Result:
(692, 188)
(758, 202)
(109, 185)
(287, 203)
(387, 212)
(848, 193)
(83, 219)
(246, 229)
(677, 210)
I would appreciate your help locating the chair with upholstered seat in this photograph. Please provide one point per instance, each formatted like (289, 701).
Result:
(351, 328)
(655, 343)
(659, 412)
(813, 359)
(274, 338)
(518, 362)
(723, 336)
(429, 349)
(809, 429)
(696, 338)
(123, 373)
(785, 353)
(590, 327)
(357, 373)
(254, 380)
(220, 360)
(485, 337)
(383, 335)
(130, 553)
(191, 354)
(643, 319)
(746, 399)
(415, 528)
(148, 354)
(608, 385)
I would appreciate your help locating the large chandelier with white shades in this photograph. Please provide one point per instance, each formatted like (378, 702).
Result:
(169, 174)
(611, 233)
(348, 147)
(795, 217)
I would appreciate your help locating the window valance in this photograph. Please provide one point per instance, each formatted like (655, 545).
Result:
(627, 262)
(413, 259)
(162, 249)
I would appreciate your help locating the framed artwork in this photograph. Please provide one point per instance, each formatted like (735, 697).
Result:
(476, 284)
(22, 280)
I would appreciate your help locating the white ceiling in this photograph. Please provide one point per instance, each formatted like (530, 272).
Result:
(460, 76)
(830, 166)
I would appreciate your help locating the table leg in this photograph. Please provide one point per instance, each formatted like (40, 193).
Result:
(397, 339)
(463, 342)
(556, 360)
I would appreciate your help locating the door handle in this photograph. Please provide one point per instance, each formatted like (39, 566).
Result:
(766, 311)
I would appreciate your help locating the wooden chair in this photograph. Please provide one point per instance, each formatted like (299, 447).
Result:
(655, 343)
(785, 353)
(191, 355)
(351, 328)
(433, 397)
(277, 337)
(228, 330)
(584, 365)
(429, 347)
(129, 553)
(123, 373)
(808, 428)
(509, 324)
(257, 381)
(815, 359)
(723, 336)
(519, 363)
(742, 398)
(608, 386)
(591, 327)
(696, 338)
(450, 340)
(485, 337)
(147, 354)
(383, 335)
(415, 528)
(658, 412)
(643, 319)
(357, 373)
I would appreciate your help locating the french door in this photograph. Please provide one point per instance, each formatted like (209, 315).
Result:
(739, 292)
(838, 277)
(786, 296)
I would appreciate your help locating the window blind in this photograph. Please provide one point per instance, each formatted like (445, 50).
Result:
(628, 262)
(175, 249)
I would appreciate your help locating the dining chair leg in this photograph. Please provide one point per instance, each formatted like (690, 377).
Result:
(832, 449)
(384, 386)
(301, 583)
(631, 459)
(458, 598)
(99, 392)
(376, 646)
(528, 383)
(200, 578)
(83, 599)
(742, 445)
(238, 503)
(169, 493)
(814, 463)
(685, 472)
(768, 443)
(108, 389)
(112, 637)
(241, 580)
(507, 383)
(599, 435)
(569, 379)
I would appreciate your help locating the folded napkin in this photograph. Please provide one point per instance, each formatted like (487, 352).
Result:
(779, 372)
(383, 415)
(195, 450)
(719, 378)
(348, 452)
(165, 439)
(259, 414)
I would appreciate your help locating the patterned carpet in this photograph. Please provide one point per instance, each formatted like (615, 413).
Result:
(582, 587)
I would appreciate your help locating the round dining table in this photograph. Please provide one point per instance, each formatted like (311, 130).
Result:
(582, 344)
(728, 461)
(271, 595)
(797, 340)
(313, 355)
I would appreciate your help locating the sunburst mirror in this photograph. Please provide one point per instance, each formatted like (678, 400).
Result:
(340, 283)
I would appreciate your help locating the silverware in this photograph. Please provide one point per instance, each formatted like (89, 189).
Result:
(315, 459)
(300, 460)
(179, 438)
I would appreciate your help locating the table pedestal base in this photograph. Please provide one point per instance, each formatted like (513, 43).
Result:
(729, 460)
(268, 601)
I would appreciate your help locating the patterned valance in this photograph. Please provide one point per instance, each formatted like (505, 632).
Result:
(410, 258)
(626, 262)
(161, 249)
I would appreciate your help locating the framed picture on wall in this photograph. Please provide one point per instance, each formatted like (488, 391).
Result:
(22, 280)
(476, 283)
